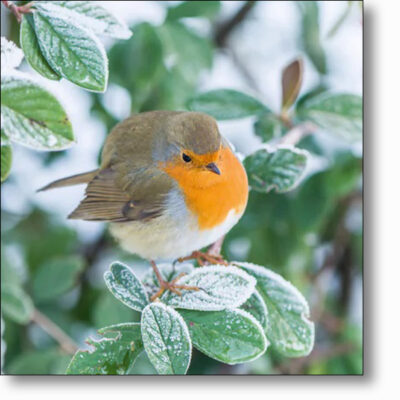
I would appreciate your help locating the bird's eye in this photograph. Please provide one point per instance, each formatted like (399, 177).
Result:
(186, 158)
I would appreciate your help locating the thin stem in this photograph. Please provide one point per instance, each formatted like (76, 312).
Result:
(18, 10)
(66, 343)
(298, 132)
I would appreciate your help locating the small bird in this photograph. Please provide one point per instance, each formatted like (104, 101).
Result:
(169, 184)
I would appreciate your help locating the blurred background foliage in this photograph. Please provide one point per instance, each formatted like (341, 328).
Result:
(312, 235)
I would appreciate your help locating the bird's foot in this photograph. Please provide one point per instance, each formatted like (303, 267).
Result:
(173, 287)
(203, 258)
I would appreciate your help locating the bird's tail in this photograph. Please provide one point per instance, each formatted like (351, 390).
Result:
(85, 177)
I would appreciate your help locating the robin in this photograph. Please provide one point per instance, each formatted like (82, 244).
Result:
(169, 184)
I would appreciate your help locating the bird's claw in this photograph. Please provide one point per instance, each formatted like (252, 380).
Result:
(205, 258)
(172, 287)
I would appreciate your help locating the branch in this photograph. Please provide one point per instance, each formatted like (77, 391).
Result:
(18, 10)
(298, 132)
(225, 29)
(66, 343)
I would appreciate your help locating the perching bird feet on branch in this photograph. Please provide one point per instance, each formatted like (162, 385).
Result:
(204, 258)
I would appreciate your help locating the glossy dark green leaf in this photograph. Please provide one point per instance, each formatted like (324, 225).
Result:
(113, 354)
(288, 328)
(280, 169)
(166, 339)
(231, 336)
(72, 51)
(225, 104)
(31, 48)
(32, 116)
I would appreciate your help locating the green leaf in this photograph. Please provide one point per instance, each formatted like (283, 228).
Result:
(288, 328)
(56, 277)
(114, 354)
(292, 78)
(126, 287)
(225, 104)
(72, 51)
(339, 114)
(310, 34)
(94, 17)
(6, 156)
(219, 288)
(231, 336)
(269, 126)
(32, 52)
(32, 116)
(186, 52)
(256, 307)
(166, 339)
(38, 362)
(280, 169)
(16, 304)
(189, 9)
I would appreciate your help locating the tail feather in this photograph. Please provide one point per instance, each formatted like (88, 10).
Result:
(85, 177)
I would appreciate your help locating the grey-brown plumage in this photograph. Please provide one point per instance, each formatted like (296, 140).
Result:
(129, 185)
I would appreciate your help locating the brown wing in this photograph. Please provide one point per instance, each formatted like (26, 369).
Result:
(106, 201)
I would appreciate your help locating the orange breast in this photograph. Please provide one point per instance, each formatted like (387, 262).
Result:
(211, 196)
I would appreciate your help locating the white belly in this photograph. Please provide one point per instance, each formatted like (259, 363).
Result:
(168, 237)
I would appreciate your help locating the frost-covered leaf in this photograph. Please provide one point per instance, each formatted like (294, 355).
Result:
(190, 9)
(71, 50)
(219, 288)
(32, 116)
(113, 354)
(256, 307)
(168, 272)
(231, 336)
(31, 48)
(55, 277)
(268, 126)
(126, 287)
(225, 104)
(288, 328)
(93, 16)
(292, 78)
(6, 156)
(280, 169)
(11, 55)
(16, 304)
(166, 339)
(340, 114)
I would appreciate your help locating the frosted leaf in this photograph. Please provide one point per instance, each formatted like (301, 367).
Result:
(16, 304)
(126, 287)
(168, 272)
(31, 48)
(94, 17)
(288, 328)
(219, 288)
(256, 307)
(6, 156)
(70, 49)
(11, 55)
(339, 114)
(280, 169)
(32, 116)
(114, 354)
(166, 339)
(231, 336)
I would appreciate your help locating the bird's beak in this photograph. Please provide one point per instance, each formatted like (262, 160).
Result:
(213, 167)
